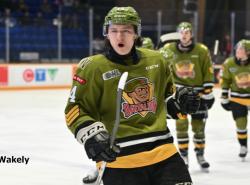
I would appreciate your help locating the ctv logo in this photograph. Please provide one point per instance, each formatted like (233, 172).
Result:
(39, 75)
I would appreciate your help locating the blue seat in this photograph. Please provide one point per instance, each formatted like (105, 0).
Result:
(2, 30)
(44, 40)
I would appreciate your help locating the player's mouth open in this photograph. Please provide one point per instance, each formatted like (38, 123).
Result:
(120, 45)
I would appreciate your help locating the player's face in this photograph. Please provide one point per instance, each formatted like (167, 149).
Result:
(241, 53)
(122, 38)
(185, 37)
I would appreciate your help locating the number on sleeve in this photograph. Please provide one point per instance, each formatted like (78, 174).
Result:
(72, 95)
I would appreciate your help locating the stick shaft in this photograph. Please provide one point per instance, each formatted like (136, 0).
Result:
(120, 88)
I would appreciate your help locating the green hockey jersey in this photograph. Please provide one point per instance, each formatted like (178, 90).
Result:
(142, 132)
(193, 68)
(235, 81)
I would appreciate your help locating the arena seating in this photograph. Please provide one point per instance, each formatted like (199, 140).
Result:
(44, 38)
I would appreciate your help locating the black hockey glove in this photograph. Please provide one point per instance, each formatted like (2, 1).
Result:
(188, 100)
(208, 100)
(225, 103)
(98, 148)
(96, 140)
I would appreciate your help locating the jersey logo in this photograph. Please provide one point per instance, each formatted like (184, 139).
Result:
(84, 62)
(138, 97)
(185, 69)
(243, 80)
(111, 74)
(232, 69)
(79, 79)
(167, 53)
(152, 66)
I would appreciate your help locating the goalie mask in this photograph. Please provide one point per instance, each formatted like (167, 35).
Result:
(122, 15)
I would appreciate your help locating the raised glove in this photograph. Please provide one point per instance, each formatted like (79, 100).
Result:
(188, 100)
(225, 103)
(96, 141)
(208, 100)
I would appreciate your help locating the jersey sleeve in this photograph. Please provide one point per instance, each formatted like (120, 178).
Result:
(166, 52)
(82, 105)
(169, 79)
(226, 79)
(173, 111)
(207, 68)
(168, 56)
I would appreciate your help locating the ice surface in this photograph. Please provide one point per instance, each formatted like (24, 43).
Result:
(32, 125)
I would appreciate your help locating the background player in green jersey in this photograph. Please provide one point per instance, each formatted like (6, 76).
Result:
(192, 67)
(144, 153)
(147, 43)
(235, 84)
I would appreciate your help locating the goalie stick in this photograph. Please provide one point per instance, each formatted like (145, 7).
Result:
(120, 88)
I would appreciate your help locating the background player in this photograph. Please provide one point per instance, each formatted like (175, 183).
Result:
(192, 67)
(235, 84)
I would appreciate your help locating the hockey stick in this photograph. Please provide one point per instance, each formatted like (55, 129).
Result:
(167, 38)
(215, 52)
(216, 47)
(215, 60)
(120, 88)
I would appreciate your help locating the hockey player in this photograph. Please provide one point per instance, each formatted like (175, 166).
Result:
(147, 43)
(235, 84)
(144, 153)
(192, 67)
(144, 42)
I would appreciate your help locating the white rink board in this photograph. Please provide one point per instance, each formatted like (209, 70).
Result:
(38, 75)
